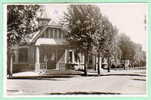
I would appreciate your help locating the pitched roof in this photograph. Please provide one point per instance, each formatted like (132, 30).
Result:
(31, 38)
(48, 41)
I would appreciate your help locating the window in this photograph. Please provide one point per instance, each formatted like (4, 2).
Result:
(62, 35)
(70, 57)
(23, 55)
(49, 33)
(59, 33)
(77, 57)
(14, 58)
(45, 35)
(55, 33)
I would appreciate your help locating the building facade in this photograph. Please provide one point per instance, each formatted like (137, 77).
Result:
(46, 49)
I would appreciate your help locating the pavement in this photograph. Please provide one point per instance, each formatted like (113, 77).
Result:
(116, 82)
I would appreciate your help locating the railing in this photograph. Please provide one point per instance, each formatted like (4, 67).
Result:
(43, 67)
(61, 66)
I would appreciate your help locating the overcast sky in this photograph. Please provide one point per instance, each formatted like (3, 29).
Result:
(127, 17)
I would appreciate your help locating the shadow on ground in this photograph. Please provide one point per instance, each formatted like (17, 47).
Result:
(54, 78)
(85, 93)
(125, 75)
(51, 77)
(139, 79)
(94, 75)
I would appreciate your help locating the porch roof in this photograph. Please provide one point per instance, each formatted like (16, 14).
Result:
(48, 41)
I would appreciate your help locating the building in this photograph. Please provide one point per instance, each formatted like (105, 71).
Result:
(46, 49)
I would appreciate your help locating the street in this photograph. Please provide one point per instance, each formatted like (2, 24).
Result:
(128, 82)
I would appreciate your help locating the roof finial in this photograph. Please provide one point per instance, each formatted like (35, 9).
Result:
(42, 16)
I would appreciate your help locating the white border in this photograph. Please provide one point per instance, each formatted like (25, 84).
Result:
(58, 96)
(5, 49)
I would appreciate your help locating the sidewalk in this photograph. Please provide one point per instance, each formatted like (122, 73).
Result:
(32, 75)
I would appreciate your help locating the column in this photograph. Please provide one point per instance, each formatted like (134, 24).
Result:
(73, 57)
(37, 65)
(65, 59)
(83, 58)
(96, 61)
(79, 60)
(101, 69)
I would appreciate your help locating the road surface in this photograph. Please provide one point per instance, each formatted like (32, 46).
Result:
(113, 83)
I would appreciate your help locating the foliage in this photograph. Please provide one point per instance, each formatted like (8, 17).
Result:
(20, 21)
(105, 40)
(127, 47)
(130, 50)
(82, 21)
(89, 30)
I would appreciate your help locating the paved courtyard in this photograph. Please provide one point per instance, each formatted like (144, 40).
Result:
(129, 82)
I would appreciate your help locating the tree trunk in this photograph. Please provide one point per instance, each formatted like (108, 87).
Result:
(108, 60)
(124, 64)
(85, 63)
(98, 64)
(95, 68)
(102, 62)
(11, 66)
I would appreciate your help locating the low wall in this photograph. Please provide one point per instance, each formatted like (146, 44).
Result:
(22, 67)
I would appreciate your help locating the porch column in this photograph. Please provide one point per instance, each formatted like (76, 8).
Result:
(37, 65)
(73, 57)
(101, 69)
(100, 60)
(65, 56)
(83, 59)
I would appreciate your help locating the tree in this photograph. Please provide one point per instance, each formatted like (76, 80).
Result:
(127, 48)
(131, 51)
(105, 38)
(83, 22)
(117, 53)
(140, 56)
(20, 21)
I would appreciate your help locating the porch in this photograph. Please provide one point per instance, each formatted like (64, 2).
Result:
(57, 59)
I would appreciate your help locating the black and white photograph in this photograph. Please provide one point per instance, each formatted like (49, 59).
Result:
(72, 49)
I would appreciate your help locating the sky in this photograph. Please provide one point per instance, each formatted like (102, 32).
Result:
(127, 17)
